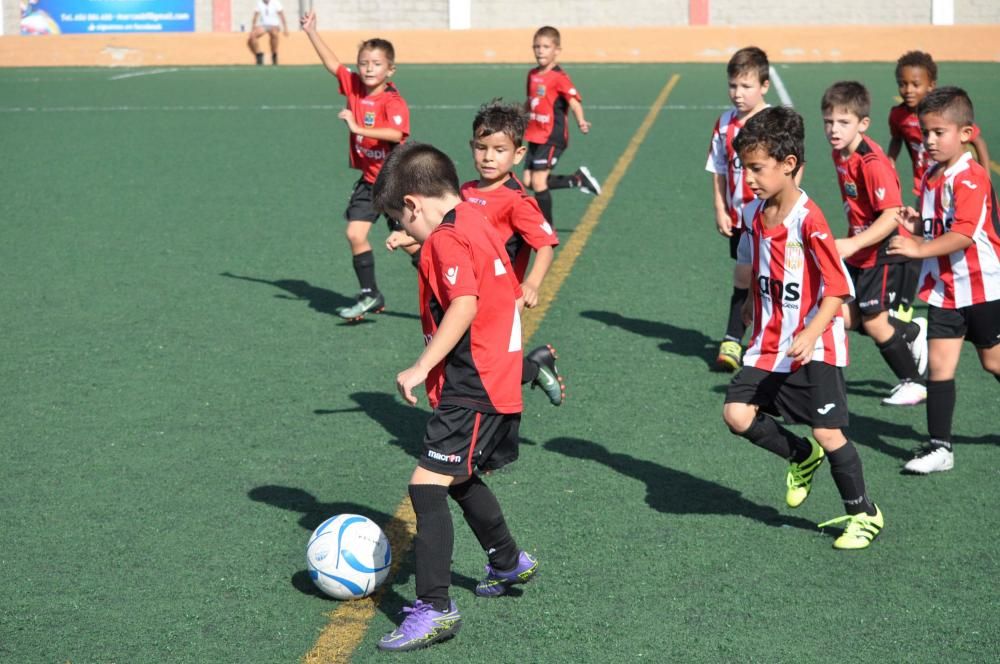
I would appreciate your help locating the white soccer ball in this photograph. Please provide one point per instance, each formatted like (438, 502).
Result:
(348, 556)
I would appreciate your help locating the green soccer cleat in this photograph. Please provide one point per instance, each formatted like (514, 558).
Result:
(730, 354)
(366, 304)
(860, 531)
(799, 477)
(548, 377)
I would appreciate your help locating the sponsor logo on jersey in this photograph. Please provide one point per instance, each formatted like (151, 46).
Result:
(969, 184)
(779, 290)
(369, 118)
(446, 458)
(541, 118)
(451, 274)
(794, 256)
(375, 155)
(850, 189)
(498, 267)
(477, 201)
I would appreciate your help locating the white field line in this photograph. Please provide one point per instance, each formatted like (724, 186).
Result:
(311, 107)
(779, 85)
(144, 72)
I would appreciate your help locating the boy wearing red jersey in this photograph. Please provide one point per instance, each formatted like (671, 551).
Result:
(798, 345)
(471, 365)
(497, 134)
(869, 188)
(916, 75)
(378, 119)
(748, 72)
(551, 94)
(957, 235)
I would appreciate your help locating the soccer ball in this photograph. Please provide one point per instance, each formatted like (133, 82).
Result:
(348, 556)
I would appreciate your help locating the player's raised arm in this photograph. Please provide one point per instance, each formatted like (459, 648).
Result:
(329, 58)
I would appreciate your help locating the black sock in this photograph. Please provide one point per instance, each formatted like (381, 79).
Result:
(563, 181)
(897, 355)
(364, 267)
(482, 513)
(529, 371)
(735, 327)
(909, 330)
(544, 200)
(940, 410)
(433, 544)
(260, 58)
(767, 433)
(848, 475)
(274, 58)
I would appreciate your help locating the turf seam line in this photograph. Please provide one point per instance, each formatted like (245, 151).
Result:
(348, 623)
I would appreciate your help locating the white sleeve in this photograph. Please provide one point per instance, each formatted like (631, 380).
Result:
(717, 162)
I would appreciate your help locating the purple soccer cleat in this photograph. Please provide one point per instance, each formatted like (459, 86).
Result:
(423, 626)
(497, 582)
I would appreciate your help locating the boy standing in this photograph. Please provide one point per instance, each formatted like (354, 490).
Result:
(798, 345)
(469, 304)
(916, 75)
(749, 80)
(960, 277)
(497, 134)
(271, 15)
(869, 188)
(378, 120)
(550, 95)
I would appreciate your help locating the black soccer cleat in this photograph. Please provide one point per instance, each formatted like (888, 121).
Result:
(548, 377)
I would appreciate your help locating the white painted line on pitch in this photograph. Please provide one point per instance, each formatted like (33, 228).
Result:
(779, 85)
(146, 72)
(313, 107)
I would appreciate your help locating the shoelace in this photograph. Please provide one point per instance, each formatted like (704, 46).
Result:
(855, 521)
(417, 617)
(797, 476)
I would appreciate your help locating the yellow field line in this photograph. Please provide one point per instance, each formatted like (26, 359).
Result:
(349, 622)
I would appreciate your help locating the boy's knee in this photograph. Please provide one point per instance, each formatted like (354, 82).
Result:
(829, 439)
(991, 360)
(738, 417)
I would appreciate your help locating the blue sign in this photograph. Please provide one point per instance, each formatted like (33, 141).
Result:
(53, 17)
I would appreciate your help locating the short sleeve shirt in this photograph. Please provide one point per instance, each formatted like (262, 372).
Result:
(386, 110)
(269, 13)
(723, 160)
(868, 185)
(464, 256)
(549, 93)
(904, 124)
(516, 218)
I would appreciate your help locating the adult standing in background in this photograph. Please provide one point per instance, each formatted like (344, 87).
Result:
(271, 16)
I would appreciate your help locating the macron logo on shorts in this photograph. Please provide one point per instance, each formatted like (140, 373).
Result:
(445, 458)
(451, 274)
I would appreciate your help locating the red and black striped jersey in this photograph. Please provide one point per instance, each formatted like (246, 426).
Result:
(386, 110)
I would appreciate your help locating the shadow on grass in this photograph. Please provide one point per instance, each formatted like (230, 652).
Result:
(679, 340)
(405, 424)
(321, 300)
(314, 512)
(676, 492)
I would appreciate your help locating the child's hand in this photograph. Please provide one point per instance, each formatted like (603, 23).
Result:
(802, 347)
(406, 380)
(529, 295)
(519, 302)
(910, 219)
(398, 239)
(724, 223)
(845, 247)
(584, 127)
(308, 21)
(348, 117)
(904, 246)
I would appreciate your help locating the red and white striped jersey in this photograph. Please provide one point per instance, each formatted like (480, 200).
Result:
(795, 265)
(961, 199)
(723, 160)
(904, 124)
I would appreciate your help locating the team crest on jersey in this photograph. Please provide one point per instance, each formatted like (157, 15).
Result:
(851, 189)
(369, 118)
(794, 256)
(540, 90)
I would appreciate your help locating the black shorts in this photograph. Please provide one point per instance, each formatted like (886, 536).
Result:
(361, 207)
(909, 279)
(979, 323)
(459, 440)
(815, 394)
(734, 242)
(542, 157)
(876, 289)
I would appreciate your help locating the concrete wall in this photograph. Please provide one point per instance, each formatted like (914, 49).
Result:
(578, 13)
(814, 12)
(353, 14)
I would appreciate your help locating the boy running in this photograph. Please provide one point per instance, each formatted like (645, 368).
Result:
(471, 366)
(378, 119)
(957, 235)
(869, 188)
(749, 80)
(798, 344)
(551, 94)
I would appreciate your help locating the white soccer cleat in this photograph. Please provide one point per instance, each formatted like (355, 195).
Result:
(918, 348)
(931, 459)
(907, 393)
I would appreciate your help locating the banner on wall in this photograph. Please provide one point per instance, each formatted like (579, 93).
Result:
(54, 17)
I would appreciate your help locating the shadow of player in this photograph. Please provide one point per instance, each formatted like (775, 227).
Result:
(321, 300)
(679, 340)
(675, 492)
(405, 424)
